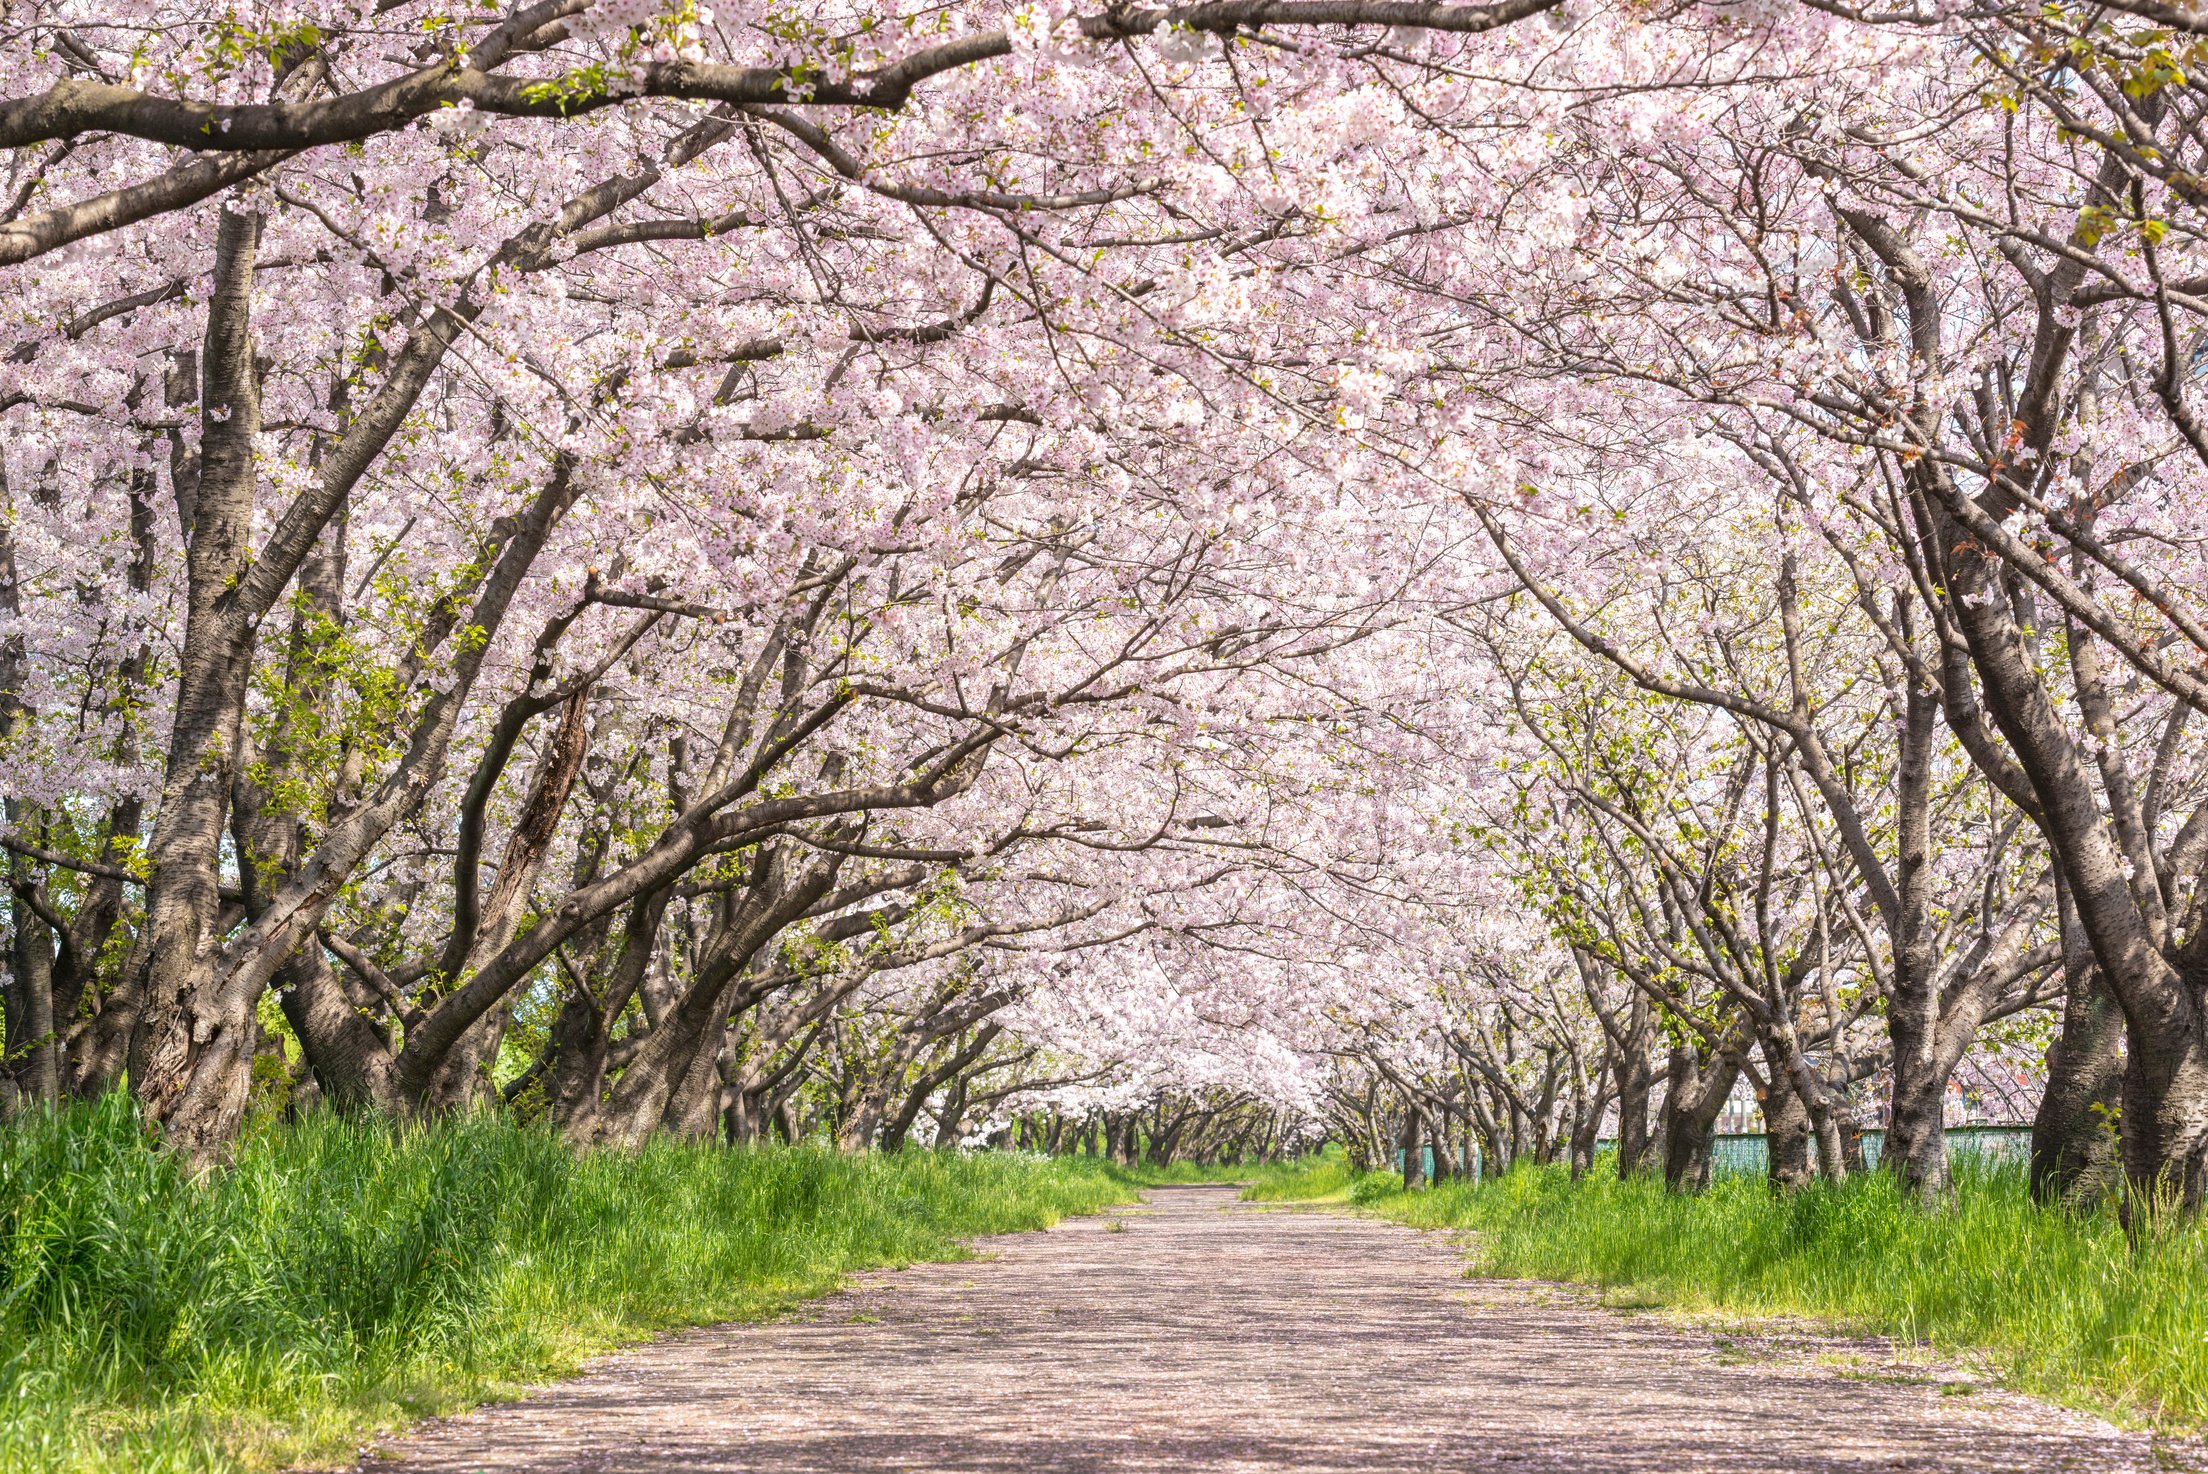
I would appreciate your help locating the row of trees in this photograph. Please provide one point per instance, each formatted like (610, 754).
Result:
(1464, 570)
(752, 591)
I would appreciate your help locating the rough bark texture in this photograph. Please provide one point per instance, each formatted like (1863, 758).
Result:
(2074, 1152)
(29, 1060)
(1916, 1137)
(187, 1041)
(1635, 1147)
(666, 1081)
(1787, 1133)
(582, 1033)
(1693, 1099)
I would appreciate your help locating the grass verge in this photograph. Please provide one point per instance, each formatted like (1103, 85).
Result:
(348, 1275)
(2058, 1303)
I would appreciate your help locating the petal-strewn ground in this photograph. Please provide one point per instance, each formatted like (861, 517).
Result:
(1198, 1333)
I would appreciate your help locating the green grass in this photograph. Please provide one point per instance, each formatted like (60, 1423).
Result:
(1327, 1177)
(348, 1275)
(2054, 1302)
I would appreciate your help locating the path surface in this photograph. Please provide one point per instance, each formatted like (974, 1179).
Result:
(1196, 1334)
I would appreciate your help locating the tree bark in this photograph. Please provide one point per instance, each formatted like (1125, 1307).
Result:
(1412, 1141)
(583, 1028)
(2165, 1094)
(1787, 1131)
(1634, 1088)
(1694, 1096)
(29, 1053)
(2074, 1145)
(186, 1042)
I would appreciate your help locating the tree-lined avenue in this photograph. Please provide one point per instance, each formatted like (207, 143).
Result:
(1196, 1334)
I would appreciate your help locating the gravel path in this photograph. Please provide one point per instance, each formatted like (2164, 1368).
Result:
(1194, 1333)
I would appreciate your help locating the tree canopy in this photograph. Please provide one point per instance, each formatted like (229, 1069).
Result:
(1428, 572)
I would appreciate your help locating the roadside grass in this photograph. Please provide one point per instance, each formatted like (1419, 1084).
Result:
(1324, 1178)
(345, 1275)
(2062, 1304)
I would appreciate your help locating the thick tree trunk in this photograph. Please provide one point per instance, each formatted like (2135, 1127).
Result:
(662, 1083)
(1693, 1099)
(898, 1130)
(463, 1081)
(1916, 1131)
(2074, 1147)
(1494, 1162)
(744, 1118)
(694, 1104)
(900, 1126)
(1916, 1136)
(953, 1109)
(582, 1031)
(349, 1055)
(1787, 1132)
(2165, 1094)
(187, 1042)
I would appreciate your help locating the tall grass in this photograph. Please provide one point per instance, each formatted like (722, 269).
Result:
(2060, 1303)
(1326, 1177)
(347, 1274)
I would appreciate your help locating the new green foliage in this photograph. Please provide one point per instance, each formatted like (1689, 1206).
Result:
(346, 1274)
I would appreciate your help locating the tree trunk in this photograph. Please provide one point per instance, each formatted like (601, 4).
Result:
(29, 1053)
(744, 1118)
(2165, 1093)
(1412, 1141)
(2074, 1148)
(661, 1083)
(1634, 1088)
(583, 1029)
(1787, 1131)
(1588, 1108)
(349, 1055)
(1693, 1100)
(187, 1042)
(954, 1106)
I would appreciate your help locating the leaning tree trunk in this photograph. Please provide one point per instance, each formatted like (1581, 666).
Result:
(2165, 1089)
(582, 1031)
(2153, 978)
(655, 1081)
(953, 1109)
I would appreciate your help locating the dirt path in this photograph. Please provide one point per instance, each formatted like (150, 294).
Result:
(1196, 1334)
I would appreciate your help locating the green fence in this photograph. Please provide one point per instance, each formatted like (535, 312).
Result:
(1746, 1151)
